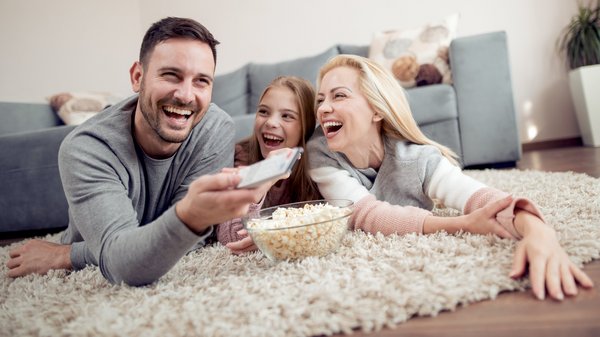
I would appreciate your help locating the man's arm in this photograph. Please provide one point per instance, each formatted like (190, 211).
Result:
(101, 209)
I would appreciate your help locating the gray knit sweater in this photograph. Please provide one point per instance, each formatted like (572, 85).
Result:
(121, 202)
(402, 179)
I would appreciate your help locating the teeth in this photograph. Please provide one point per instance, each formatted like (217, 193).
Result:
(328, 125)
(178, 111)
(271, 137)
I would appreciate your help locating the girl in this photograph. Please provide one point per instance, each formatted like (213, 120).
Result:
(369, 149)
(285, 118)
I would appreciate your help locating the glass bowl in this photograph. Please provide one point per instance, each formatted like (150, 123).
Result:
(297, 230)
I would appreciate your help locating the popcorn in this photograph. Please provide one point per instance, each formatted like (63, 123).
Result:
(297, 232)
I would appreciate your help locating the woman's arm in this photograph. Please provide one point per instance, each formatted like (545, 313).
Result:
(481, 221)
(450, 186)
(375, 216)
(549, 266)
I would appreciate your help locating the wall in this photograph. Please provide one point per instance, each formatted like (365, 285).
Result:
(66, 45)
(76, 35)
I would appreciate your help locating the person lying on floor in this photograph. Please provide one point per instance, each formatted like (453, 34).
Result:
(142, 178)
(369, 149)
(285, 118)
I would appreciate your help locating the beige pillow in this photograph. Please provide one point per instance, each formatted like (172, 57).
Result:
(417, 56)
(74, 108)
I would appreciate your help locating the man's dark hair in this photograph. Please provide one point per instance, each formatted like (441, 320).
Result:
(171, 27)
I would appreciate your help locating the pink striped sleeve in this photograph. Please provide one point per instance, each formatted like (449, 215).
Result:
(227, 231)
(374, 216)
(505, 217)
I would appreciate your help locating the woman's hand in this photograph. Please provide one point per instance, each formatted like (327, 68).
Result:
(480, 221)
(549, 264)
(244, 245)
(483, 220)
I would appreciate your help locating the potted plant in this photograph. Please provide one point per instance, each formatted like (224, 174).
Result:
(580, 44)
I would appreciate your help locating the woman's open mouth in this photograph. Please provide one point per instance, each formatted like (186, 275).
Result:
(331, 128)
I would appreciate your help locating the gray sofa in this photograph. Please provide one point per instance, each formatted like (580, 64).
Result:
(475, 117)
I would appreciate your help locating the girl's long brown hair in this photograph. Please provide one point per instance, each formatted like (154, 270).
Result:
(301, 187)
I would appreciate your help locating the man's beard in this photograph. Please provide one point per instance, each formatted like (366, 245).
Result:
(152, 116)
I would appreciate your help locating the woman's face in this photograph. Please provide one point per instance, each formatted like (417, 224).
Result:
(347, 119)
(277, 124)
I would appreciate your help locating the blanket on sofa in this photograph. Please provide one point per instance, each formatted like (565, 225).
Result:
(370, 283)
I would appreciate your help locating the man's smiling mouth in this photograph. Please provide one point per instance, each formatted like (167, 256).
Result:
(177, 113)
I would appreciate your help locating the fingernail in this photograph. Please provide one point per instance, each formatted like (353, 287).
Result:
(541, 295)
(560, 296)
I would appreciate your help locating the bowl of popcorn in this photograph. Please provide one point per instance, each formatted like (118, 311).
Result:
(294, 231)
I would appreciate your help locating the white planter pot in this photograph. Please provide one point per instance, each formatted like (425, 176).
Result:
(585, 90)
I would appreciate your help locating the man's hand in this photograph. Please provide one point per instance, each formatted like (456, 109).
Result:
(213, 199)
(38, 256)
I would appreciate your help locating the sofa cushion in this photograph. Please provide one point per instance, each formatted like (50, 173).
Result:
(244, 125)
(22, 117)
(260, 75)
(432, 103)
(446, 133)
(353, 50)
(230, 92)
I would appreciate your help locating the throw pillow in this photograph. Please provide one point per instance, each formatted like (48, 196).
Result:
(74, 108)
(417, 56)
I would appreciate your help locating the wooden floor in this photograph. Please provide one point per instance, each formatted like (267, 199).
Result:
(519, 313)
(576, 159)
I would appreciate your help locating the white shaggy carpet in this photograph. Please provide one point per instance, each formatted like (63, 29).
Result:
(370, 283)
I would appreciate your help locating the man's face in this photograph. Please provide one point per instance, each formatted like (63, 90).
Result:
(175, 90)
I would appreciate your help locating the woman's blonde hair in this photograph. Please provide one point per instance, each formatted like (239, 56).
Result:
(386, 97)
(301, 187)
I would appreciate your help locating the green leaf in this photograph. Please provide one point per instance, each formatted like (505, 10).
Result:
(580, 39)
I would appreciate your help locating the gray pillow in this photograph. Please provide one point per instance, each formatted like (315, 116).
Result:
(230, 92)
(261, 75)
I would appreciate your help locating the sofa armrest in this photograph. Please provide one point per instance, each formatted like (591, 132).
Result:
(32, 197)
(486, 110)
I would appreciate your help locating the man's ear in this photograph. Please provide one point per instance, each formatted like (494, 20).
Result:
(136, 72)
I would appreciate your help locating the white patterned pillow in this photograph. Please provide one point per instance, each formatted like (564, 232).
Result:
(417, 56)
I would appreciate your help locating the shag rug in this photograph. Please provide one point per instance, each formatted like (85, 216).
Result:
(371, 282)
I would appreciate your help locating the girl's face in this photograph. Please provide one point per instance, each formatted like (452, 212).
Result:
(277, 124)
(347, 119)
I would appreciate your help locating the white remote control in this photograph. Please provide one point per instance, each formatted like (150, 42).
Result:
(274, 167)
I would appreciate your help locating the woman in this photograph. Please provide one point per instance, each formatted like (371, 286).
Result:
(285, 118)
(369, 149)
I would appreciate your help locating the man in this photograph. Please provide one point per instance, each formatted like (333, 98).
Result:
(140, 176)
